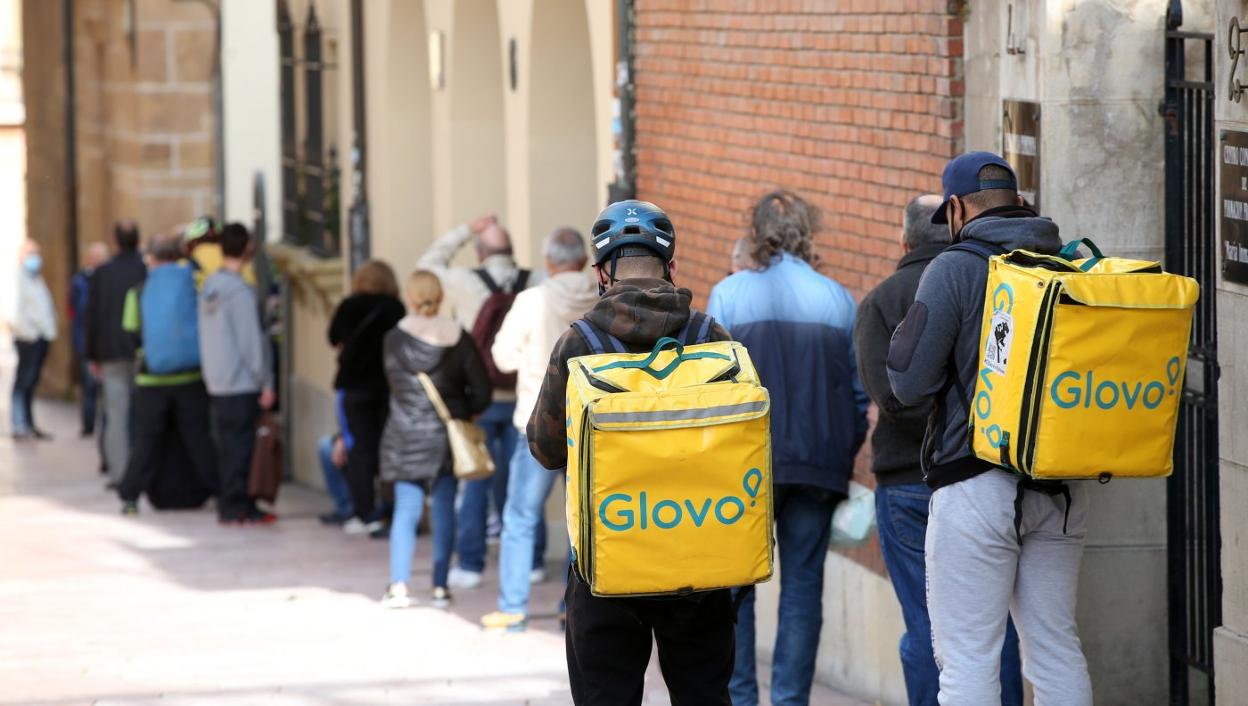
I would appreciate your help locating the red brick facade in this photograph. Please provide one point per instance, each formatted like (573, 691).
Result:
(855, 105)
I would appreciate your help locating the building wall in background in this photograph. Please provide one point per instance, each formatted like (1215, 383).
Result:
(250, 104)
(856, 110)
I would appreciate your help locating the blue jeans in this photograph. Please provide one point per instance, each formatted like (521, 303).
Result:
(803, 527)
(901, 515)
(523, 517)
(335, 480)
(30, 358)
(409, 503)
(500, 438)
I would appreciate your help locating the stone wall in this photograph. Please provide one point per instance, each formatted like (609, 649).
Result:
(1230, 649)
(144, 129)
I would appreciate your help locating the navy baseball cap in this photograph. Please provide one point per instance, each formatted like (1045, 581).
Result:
(961, 177)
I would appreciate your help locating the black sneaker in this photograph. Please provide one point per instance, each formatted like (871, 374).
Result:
(333, 519)
(256, 516)
(41, 435)
(130, 509)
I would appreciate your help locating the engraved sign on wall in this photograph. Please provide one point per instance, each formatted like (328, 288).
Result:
(1020, 145)
(1233, 205)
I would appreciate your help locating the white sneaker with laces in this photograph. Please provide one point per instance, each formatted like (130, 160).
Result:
(461, 578)
(354, 526)
(537, 575)
(396, 596)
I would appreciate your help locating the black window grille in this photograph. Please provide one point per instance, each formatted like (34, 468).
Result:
(310, 175)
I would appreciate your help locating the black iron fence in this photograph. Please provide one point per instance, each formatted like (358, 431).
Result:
(1195, 584)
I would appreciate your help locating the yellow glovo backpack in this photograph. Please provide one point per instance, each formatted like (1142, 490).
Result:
(669, 467)
(1081, 365)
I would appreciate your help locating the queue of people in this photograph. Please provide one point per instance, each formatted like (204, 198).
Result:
(491, 344)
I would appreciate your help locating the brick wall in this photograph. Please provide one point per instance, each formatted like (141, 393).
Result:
(855, 105)
(144, 127)
(145, 115)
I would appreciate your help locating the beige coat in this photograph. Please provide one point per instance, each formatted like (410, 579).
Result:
(538, 318)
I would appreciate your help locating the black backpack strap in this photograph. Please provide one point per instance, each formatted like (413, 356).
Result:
(488, 281)
(696, 330)
(596, 338)
(522, 280)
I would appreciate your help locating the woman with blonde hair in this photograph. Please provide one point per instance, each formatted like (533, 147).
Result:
(415, 454)
(359, 326)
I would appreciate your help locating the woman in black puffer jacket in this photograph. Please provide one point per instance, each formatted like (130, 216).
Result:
(415, 454)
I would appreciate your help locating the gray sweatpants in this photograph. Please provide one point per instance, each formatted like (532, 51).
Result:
(977, 574)
(117, 385)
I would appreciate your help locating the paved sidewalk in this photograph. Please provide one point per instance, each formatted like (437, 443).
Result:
(169, 608)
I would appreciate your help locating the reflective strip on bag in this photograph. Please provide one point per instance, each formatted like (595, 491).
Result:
(681, 415)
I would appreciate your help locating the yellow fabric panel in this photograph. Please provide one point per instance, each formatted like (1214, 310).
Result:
(669, 485)
(1094, 372)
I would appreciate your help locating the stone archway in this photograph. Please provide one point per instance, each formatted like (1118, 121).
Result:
(563, 170)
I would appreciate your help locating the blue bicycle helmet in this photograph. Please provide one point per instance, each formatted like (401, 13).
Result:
(632, 223)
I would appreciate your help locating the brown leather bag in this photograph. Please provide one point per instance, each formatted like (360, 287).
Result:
(266, 461)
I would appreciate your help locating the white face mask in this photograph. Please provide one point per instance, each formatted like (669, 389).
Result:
(33, 263)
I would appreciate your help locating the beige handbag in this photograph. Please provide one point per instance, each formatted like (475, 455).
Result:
(471, 459)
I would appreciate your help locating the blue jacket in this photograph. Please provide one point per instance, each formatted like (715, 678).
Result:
(798, 325)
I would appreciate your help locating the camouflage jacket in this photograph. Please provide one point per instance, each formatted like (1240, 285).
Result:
(638, 312)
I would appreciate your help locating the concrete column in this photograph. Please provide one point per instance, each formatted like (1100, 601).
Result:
(1230, 649)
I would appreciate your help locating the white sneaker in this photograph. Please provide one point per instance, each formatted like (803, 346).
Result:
(441, 598)
(537, 575)
(354, 526)
(396, 596)
(460, 578)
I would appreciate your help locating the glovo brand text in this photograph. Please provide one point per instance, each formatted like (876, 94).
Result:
(621, 512)
(1072, 389)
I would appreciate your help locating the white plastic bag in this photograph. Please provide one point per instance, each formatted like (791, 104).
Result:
(854, 518)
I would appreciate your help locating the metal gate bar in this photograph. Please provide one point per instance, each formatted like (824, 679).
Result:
(1194, 543)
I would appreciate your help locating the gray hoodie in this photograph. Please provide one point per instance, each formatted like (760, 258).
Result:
(232, 346)
(945, 320)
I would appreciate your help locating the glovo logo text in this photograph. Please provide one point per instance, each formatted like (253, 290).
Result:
(1002, 300)
(619, 512)
(1072, 389)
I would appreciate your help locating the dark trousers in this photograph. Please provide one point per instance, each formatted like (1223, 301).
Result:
(608, 645)
(236, 417)
(90, 396)
(30, 358)
(366, 412)
(156, 411)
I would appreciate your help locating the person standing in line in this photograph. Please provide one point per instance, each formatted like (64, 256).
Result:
(109, 348)
(538, 318)
(169, 395)
(415, 454)
(609, 640)
(79, 292)
(32, 323)
(479, 298)
(357, 331)
(901, 497)
(237, 373)
(797, 325)
(995, 545)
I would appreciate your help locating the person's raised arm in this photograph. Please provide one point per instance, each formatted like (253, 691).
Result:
(440, 254)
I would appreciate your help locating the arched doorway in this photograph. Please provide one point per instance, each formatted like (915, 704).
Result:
(400, 139)
(475, 82)
(562, 149)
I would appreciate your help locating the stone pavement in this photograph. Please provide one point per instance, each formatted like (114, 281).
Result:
(169, 608)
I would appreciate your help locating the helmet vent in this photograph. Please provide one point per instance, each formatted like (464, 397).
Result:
(632, 230)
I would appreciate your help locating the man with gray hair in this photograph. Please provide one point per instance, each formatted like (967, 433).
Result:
(901, 497)
(537, 319)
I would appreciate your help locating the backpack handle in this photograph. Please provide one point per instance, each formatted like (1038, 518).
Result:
(662, 344)
(1071, 250)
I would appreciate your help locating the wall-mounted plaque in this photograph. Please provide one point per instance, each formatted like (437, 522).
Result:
(1020, 145)
(1233, 205)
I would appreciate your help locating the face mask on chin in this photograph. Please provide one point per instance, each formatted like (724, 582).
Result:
(32, 264)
